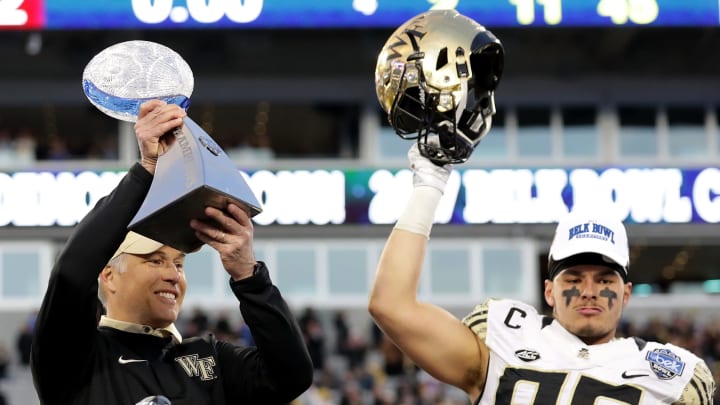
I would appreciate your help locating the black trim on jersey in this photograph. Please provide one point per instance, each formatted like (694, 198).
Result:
(640, 343)
(546, 321)
(479, 321)
(702, 392)
(709, 392)
(483, 312)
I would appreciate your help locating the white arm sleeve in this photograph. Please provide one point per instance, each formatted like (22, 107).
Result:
(419, 213)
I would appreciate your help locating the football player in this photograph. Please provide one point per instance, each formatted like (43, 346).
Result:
(436, 78)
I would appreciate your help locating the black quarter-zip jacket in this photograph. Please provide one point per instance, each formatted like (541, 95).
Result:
(74, 361)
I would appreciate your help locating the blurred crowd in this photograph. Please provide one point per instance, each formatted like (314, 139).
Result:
(17, 148)
(21, 147)
(356, 364)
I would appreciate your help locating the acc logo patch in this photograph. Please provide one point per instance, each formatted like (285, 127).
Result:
(665, 364)
(527, 355)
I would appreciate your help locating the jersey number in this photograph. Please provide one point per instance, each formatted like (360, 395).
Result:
(523, 386)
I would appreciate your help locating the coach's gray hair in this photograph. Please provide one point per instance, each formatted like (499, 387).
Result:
(119, 264)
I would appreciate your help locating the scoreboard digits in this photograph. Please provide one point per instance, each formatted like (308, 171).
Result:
(637, 11)
(11, 14)
(22, 14)
(200, 11)
(552, 11)
(619, 12)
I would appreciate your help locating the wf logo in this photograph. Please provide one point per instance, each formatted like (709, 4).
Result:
(196, 367)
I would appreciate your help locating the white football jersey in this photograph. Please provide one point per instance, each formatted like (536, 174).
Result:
(534, 360)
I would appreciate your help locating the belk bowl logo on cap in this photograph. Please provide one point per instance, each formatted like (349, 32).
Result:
(592, 230)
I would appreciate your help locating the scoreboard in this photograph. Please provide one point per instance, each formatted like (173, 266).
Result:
(228, 14)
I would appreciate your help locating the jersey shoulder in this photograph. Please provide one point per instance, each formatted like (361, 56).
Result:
(495, 310)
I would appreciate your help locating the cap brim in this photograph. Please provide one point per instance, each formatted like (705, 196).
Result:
(135, 243)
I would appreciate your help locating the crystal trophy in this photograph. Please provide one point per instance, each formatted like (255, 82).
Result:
(195, 172)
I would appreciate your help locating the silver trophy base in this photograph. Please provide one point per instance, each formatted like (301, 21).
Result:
(171, 224)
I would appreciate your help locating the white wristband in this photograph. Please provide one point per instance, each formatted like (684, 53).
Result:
(419, 213)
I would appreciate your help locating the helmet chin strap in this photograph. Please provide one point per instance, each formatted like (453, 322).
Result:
(479, 121)
(461, 107)
(462, 102)
(448, 130)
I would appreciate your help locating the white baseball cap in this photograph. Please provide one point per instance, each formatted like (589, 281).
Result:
(591, 232)
(135, 243)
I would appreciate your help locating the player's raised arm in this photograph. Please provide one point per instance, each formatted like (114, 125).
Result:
(435, 77)
(433, 338)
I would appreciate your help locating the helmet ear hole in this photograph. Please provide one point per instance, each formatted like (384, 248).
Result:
(484, 102)
(487, 67)
(442, 59)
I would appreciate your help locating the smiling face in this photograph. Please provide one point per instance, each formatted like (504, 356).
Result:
(588, 300)
(146, 289)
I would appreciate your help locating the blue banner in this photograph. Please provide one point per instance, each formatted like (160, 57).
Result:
(195, 14)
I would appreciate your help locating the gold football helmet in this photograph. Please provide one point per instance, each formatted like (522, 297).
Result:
(436, 75)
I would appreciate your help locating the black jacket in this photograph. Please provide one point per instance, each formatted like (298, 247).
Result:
(75, 362)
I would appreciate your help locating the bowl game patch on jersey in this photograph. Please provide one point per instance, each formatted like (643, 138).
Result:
(665, 364)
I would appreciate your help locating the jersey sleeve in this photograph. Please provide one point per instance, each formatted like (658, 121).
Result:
(700, 389)
(278, 368)
(477, 320)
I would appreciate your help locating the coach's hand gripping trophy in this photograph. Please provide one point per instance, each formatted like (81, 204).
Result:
(195, 171)
(436, 77)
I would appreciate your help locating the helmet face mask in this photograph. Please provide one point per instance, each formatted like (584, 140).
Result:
(436, 75)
